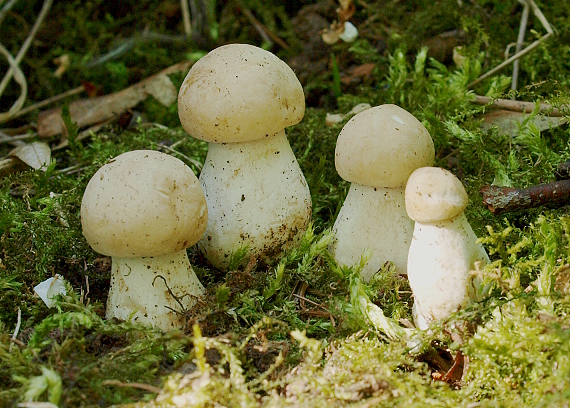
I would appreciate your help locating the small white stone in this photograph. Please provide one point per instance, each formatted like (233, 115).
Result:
(350, 32)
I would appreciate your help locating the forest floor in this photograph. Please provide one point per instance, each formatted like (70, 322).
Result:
(304, 331)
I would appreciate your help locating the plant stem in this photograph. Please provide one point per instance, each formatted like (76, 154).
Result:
(504, 199)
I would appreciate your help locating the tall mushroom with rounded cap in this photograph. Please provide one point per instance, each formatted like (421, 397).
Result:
(144, 208)
(376, 151)
(444, 248)
(240, 98)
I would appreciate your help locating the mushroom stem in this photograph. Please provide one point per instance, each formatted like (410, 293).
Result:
(257, 197)
(172, 285)
(373, 212)
(442, 254)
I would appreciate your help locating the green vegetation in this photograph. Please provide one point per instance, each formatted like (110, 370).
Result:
(304, 331)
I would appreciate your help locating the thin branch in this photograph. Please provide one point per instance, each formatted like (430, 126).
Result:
(186, 17)
(6, 9)
(510, 60)
(48, 101)
(265, 33)
(520, 106)
(503, 199)
(536, 11)
(189, 159)
(45, 8)
(16, 140)
(20, 78)
(520, 40)
(17, 329)
(137, 385)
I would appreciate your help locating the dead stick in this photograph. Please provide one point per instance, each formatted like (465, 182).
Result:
(140, 386)
(503, 199)
(263, 29)
(520, 106)
(48, 101)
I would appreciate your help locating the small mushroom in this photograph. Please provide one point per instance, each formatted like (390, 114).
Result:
(444, 248)
(240, 98)
(376, 151)
(144, 208)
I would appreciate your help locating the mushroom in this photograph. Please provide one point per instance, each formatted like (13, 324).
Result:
(376, 151)
(444, 248)
(144, 208)
(240, 99)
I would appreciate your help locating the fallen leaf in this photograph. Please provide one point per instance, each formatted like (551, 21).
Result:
(508, 122)
(361, 71)
(37, 155)
(332, 34)
(49, 289)
(90, 111)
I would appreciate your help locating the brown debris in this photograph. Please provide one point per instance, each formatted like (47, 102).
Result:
(504, 199)
(90, 111)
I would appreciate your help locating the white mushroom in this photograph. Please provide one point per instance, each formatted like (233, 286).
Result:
(144, 208)
(240, 98)
(444, 247)
(376, 151)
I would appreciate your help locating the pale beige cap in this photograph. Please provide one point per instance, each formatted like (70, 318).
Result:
(143, 203)
(239, 93)
(382, 146)
(434, 194)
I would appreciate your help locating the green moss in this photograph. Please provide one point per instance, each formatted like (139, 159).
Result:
(306, 331)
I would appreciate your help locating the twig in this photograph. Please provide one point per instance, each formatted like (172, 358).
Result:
(140, 386)
(36, 404)
(311, 302)
(516, 56)
(17, 329)
(265, 33)
(503, 199)
(186, 17)
(45, 8)
(6, 9)
(520, 106)
(16, 140)
(189, 159)
(510, 60)
(20, 78)
(48, 101)
(520, 40)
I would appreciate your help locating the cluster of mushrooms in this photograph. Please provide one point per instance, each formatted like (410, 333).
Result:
(144, 208)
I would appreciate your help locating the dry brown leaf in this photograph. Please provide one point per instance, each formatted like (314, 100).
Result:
(508, 122)
(37, 155)
(332, 34)
(87, 112)
(361, 71)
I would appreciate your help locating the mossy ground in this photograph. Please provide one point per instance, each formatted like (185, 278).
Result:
(296, 333)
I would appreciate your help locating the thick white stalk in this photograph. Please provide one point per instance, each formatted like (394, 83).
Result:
(442, 255)
(153, 287)
(257, 197)
(373, 218)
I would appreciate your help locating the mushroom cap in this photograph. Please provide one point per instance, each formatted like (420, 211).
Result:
(434, 194)
(239, 93)
(382, 146)
(143, 203)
